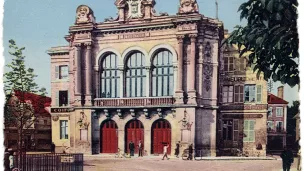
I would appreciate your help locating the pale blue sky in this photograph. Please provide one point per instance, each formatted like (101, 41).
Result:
(41, 24)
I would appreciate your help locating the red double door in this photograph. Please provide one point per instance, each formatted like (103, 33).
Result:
(109, 137)
(135, 133)
(161, 134)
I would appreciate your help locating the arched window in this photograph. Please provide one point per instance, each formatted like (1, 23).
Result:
(162, 74)
(109, 77)
(135, 75)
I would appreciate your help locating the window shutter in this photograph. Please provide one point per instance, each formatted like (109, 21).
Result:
(236, 130)
(251, 131)
(246, 134)
(57, 98)
(241, 93)
(56, 72)
(259, 93)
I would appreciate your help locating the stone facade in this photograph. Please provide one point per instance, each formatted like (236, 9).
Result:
(243, 106)
(108, 91)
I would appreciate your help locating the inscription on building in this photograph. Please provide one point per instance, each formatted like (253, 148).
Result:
(133, 36)
(61, 110)
(246, 116)
(244, 107)
(187, 27)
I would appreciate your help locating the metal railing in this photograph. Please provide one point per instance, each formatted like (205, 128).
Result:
(150, 101)
(50, 162)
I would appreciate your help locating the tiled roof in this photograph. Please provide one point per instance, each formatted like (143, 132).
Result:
(272, 99)
(40, 103)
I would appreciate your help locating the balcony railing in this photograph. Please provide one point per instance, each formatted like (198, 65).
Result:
(150, 101)
(276, 130)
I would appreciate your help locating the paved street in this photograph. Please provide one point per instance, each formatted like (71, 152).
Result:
(155, 163)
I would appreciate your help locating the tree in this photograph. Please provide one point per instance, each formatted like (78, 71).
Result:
(19, 112)
(270, 38)
(291, 122)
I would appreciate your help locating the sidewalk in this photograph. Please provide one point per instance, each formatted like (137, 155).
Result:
(111, 156)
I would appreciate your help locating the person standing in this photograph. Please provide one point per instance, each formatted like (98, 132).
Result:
(53, 147)
(131, 147)
(177, 149)
(287, 159)
(166, 146)
(140, 149)
(190, 152)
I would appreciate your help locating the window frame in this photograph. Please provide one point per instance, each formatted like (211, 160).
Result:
(247, 139)
(67, 98)
(282, 111)
(250, 93)
(227, 98)
(166, 74)
(109, 77)
(60, 72)
(270, 109)
(131, 76)
(282, 126)
(229, 65)
(64, 126)
(272, 125)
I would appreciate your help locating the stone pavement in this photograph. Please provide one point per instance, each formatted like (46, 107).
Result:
(156, 164)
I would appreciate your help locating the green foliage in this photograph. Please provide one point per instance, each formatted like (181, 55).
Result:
(270, 38)
(19, 76)
(292, 111)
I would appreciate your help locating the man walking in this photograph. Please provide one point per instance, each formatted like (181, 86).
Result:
(287, 159)
(131, 147)
(177, 149)
(166, 146)
(190, 152)
(140, 149)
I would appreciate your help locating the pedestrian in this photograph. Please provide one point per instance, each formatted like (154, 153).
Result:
(166, 146)
(131, 147)
(177, 149)
(140, 149)
(287, 159)
(190, 152)
(53, 147)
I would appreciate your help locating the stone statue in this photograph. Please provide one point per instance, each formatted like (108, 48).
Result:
(84, 15)
(188, 6)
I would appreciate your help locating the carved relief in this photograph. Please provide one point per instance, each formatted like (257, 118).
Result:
(84, 15)
(135, 8)
(55, 118)
(188, 6)
(208, 68)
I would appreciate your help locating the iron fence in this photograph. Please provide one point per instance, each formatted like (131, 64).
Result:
(50, 162)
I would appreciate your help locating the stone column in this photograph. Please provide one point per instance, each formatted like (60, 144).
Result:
(213, 135)
(88, 73)
(77, 70)
(121, 81)
(191, 72)
(199, 87)
(148, 81)
(71, 75)
(179, 88)
(214, 77)
(96, 82)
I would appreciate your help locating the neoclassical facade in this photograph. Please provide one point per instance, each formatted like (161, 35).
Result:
(141, 76)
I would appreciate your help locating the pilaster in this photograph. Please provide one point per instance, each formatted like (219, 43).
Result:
(77, 70)
(179, 88)
(88, 74)
(191, 71)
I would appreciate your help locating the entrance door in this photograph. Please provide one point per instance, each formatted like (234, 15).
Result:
(135, 133)
(108, 137)
(161, 134)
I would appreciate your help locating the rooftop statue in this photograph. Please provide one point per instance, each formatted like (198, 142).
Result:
(84, 15)
(188, 6)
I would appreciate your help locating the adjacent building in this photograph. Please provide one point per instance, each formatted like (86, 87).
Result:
(38, 136)
(154, 78)
(242, 110)
(277, 121)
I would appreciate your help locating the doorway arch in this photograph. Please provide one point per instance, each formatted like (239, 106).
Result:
(108, 137)
(134, 132)
(161, 133)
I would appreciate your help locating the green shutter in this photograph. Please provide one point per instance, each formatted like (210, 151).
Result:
(57, 98)
(259, 93)
(246, 134)
(56, 72)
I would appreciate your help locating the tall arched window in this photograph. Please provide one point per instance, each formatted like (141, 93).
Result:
(109, 77)
(162, 74)
(135, 75)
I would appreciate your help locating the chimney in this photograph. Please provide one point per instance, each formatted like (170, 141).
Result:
(281, 92)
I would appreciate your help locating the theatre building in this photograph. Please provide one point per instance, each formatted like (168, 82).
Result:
(140, 76)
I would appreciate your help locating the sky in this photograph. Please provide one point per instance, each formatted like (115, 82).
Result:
(38, 25)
